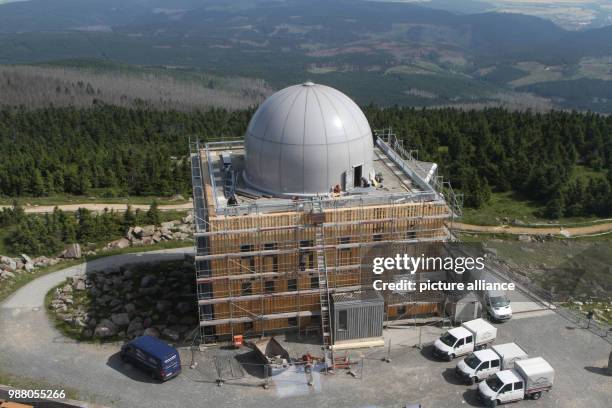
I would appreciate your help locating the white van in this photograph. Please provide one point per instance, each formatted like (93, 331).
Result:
(497, 306)
(482, 364)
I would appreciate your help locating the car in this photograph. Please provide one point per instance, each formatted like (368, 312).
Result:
(154, 356)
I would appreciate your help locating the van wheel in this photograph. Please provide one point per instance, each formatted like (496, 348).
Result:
(494, 403)
(472, 380)
(536, 396)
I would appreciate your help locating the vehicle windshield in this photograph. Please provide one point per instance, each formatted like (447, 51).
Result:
(448, 339)
(472, 361)
(499, 301)
(495, 383)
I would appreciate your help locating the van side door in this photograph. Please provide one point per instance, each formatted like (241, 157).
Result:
(467, 345)
(495, 366)
(518, 393)
(505, 393)
(483, 370)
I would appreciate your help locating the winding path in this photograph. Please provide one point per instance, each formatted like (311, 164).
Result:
(99, 207)
(592, 229)
(558, 230)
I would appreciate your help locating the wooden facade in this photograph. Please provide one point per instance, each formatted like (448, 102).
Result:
(257, 273)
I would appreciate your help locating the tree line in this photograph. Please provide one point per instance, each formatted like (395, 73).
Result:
(131, 151)
(494, 149)
(48, 234)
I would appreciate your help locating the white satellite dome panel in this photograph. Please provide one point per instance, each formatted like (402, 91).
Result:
(305, 139)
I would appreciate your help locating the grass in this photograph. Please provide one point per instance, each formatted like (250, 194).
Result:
(63, 327)
(22, 279)
(513, 206)
(92, 199)
(130, 250)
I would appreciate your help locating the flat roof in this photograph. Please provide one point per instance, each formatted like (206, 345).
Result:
(402, 181)
(364, 296)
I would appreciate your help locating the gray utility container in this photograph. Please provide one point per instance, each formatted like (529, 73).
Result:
(462, 307)
(537, 374)
(509, 353)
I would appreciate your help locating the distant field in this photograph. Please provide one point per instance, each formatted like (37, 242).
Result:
(85, 84)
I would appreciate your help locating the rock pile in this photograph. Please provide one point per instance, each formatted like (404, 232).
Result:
(11, 267)
(152, 299)
(151, 234)
(178, 230)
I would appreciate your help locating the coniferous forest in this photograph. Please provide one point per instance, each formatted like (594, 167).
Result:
(130, 151)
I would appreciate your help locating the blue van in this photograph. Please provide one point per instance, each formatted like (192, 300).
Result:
(153, 355)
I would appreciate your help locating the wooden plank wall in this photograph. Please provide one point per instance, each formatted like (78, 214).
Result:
(409, 226)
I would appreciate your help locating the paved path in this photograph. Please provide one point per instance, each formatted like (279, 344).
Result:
(562, 231)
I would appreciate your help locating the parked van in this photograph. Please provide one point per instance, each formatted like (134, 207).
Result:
(497, 306)
(482, 364)
(154, 356)
(473, 335)
(527, 380)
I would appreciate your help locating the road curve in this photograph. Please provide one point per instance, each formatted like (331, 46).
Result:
(31, 347)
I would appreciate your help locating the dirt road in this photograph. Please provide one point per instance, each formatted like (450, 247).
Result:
(99, 207)
(562, 231)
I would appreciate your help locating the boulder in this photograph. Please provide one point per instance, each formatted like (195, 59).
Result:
(171, 334)
(119, 244)
(147, 240)
(147, 281)
(8, 264)
(130, 308)
(183, 307)
(137, 232)
(188, 219)
(135, 328)
(157, 237)
(151, 331)
(105, 328)
(72, 251)
(26, 259)
(41, 261)
(6, 275)
(29, 266)
(120, 319)
(148, 230)
(163, 305)
(168, 225)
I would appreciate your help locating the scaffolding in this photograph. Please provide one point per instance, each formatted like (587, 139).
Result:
(272, 264)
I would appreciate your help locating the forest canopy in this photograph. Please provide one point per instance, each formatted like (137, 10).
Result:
(131, 151)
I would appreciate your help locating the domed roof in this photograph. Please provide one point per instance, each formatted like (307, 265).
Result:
(306, 139)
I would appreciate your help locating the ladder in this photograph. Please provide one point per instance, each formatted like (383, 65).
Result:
(326, 327)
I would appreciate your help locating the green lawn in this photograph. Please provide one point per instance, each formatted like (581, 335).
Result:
(513, 207)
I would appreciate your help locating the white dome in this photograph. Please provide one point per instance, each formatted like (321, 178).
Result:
(305, 139)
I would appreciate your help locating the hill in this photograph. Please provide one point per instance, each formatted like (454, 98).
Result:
(84, 83)
(386, 53)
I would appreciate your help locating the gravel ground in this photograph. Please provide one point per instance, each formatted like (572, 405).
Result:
(30, 347)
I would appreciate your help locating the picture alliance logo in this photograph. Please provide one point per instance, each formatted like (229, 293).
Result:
(410, 264)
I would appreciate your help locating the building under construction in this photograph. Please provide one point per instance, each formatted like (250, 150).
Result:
(287, 217)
